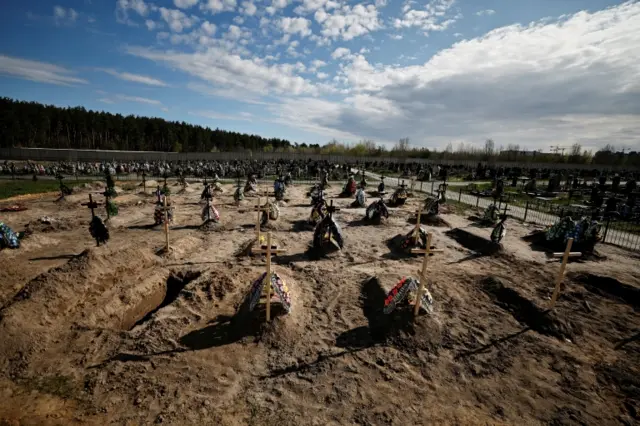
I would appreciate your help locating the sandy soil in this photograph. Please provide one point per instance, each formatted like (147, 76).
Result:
(119, 334)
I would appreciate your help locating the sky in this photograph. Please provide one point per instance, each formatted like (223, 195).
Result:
(533, 73)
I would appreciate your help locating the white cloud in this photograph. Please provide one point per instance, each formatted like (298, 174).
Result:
(62, 16)
(138, 99)
(270, 10)
(224, 70)
(41, 72)
(549, 82)
(177, 20)
(106, 100)
(185, 4)
(317, 64)
(296, 25)
(151, 25)
(432, 18)
(395, 36)
(381, 3)
(340, 52)
(238, 20)
(309, 6)
(136, 78)
(217, 6)
(348, 22)
(248, 8)
(242, 116)
(236, 33)
(322, 75)
(139, 6)
(208, 28)
(279, 4)
(487, 12)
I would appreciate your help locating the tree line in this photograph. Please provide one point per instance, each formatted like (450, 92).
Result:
(32, 124)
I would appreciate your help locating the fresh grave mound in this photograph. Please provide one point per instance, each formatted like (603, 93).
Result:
(42, 312)
(50, 224)
(474, 242)
(288, 317)
(526, 312)
(609, 287)
(399, 328)
(430, 220)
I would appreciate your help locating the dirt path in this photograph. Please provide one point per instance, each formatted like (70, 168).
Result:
(120, 335)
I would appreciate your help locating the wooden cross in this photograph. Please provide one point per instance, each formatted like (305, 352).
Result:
(268, 251)
(423, 274)
(331, 209)
(166, 224)
(565, 258)
(91, 205)
(258, 208)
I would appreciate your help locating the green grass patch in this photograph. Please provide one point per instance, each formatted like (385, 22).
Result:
(13, 188)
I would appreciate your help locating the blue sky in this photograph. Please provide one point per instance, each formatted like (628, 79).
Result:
(533, 74)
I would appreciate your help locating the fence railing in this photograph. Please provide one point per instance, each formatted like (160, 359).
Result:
(618, 232)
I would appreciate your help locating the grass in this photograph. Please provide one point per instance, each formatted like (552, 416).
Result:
(13, 188)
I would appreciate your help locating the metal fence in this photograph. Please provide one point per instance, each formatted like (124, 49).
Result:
(618, 232)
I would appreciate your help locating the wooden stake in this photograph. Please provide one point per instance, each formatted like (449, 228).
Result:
(268, 252)
(166, 224)
(423, 274)
(418, 214)
(565, 258)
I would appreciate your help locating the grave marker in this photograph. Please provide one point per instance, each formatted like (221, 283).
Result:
(97, 229)
(423, 274)
(565, 258)
(268, 251)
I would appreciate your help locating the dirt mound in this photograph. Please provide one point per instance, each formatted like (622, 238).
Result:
(399, 328)
(526, 312)
(609, 287)
(474, 242)
(49, 224)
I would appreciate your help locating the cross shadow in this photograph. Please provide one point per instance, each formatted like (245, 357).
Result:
(301, 226)
(61, 256)
(491, 344)
(143, 227)
(363, 222)
(223, 330)
(286, 259)
(185, 227)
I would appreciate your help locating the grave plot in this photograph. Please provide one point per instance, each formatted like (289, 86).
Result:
(117, 334)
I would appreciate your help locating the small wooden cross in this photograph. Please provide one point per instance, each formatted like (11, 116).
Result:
(423, 274)
(268, 251)
(166, 224)
(258, 208)
(91, 205)
(331, 209)
(565, 258)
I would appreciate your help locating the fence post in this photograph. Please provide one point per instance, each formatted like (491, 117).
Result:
(421, 182)
(477, 201)
(526, 211)
(606, 230)
(460, 194)
(432, 182)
